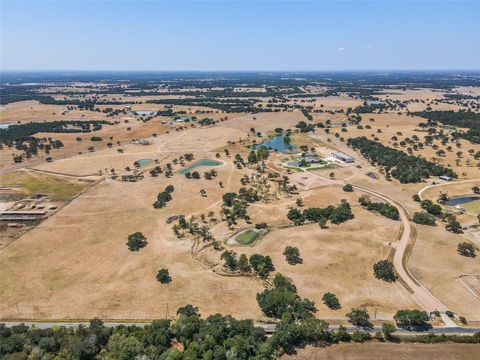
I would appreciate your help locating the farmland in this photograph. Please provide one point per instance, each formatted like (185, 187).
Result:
(217, 212)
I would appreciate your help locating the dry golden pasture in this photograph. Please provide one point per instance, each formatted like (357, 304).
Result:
(164, 147)
(336, 259)
(83, 268)
(437, 265)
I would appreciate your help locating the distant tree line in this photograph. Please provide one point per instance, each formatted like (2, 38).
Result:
(460, 119)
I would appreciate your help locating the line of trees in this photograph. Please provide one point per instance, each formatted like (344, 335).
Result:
(336, 215)
(382, 208)
(396, 163)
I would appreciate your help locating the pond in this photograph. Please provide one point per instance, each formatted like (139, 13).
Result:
(145, 112)
(143, 162)
(459, 200)
(276, 143)
(247, 237)
(198, 163)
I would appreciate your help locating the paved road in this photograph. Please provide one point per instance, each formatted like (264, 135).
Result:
(269, 328)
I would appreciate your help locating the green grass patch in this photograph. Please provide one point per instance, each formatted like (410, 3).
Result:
(247, 238)
(56, 187)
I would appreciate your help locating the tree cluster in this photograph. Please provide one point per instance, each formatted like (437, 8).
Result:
(403, 167)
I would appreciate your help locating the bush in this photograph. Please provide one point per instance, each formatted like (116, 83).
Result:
(136, 241)
(331, 301)
(388, 330)
(384, 270)
(348, 188)
(466, 249)
(360, 336)
(163, 276)
(292, 255)
(424, 218)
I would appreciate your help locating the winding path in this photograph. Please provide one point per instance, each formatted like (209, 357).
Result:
(419, 293)
(444, 184)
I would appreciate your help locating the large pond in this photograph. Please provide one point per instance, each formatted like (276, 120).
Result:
(143, 162)
(276, 143)
(459, 200)
(198, 163)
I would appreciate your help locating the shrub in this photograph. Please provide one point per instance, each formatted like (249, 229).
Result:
(424, 218)
(331, 301)
(348, 188)
(136, 241)
(292, 255)
(466, 249)
(163, 276)
(388, 330)
(360, 336)
(384, 270)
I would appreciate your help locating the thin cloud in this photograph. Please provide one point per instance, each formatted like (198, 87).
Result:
(341, 49)
(368, 47)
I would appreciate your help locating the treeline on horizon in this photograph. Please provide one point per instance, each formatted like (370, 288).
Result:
(361, 84)
(460, 119)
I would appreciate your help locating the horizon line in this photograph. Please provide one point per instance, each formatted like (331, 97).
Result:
(239, 71)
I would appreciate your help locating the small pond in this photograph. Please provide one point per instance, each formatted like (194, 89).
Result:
(276, 143)
(143, 162)
(198, 163)
(145, 112)
(459, 200)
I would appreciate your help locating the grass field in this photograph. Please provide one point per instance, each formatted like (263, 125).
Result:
(58, 188)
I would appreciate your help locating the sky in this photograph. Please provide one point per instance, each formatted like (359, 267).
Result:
(239, 35)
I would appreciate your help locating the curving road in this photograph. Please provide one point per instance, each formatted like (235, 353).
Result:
(419, 293)
(445, 184)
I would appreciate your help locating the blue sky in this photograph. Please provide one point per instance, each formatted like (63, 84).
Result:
(236, 35)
